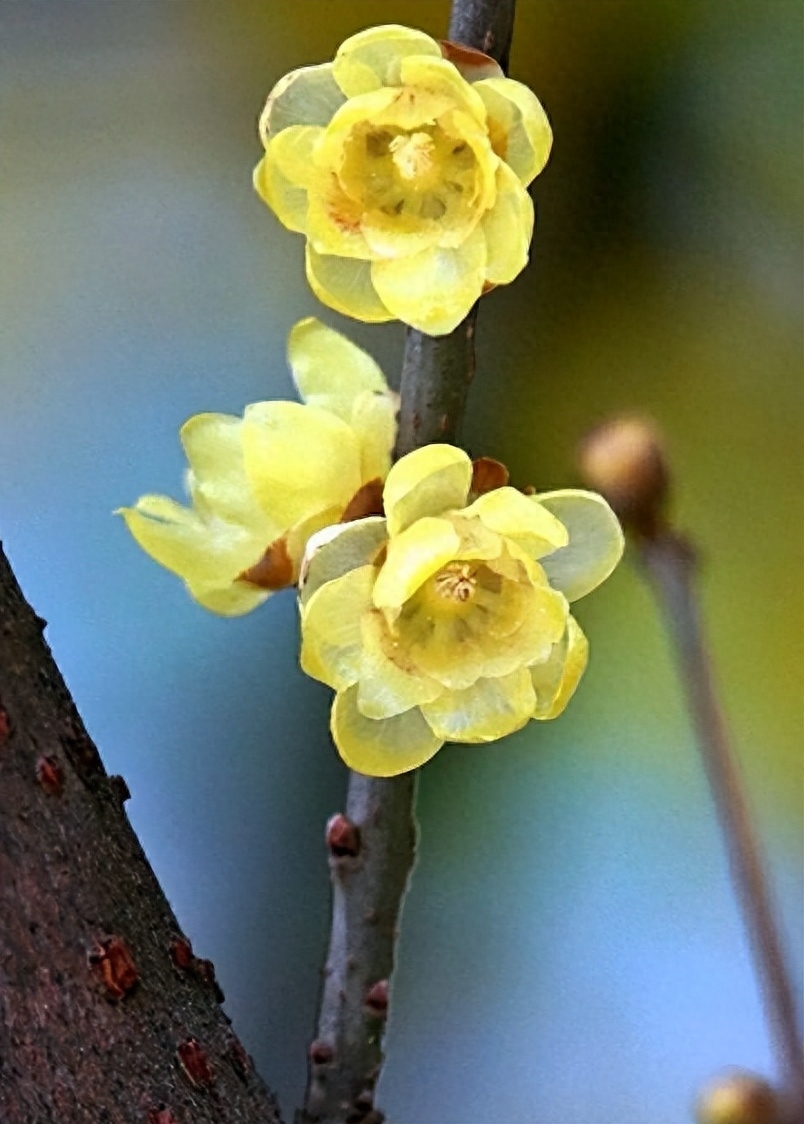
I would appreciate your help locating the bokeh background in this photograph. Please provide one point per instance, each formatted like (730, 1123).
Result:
(571, 951)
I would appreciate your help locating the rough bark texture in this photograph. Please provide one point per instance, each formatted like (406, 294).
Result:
(105, 1017)
(346, 1056)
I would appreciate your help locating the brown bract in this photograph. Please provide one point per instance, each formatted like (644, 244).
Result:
(488, 474)
(274, 570)
(367, 500)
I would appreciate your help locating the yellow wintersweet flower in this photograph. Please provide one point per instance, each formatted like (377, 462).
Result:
(260, 485)
(404, 162)
(447, 622)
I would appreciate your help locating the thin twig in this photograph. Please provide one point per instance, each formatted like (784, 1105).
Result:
(670, 564)
(369, 886)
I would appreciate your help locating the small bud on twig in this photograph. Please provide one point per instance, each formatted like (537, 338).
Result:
(377, 999)
(624, 461)
(320, 1052)
(50, 775)
(343, 837)
(193, 1059)
(115, 966)
(738, 1098)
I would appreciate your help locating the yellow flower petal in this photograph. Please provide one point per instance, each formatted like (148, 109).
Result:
(595, 546)
(373, 57)
(337, 550)
(334, 220)
(288, 203)
(388, 686)
(510, 513)
(231, 600)
(345, 284)
(508, 229)
(438, 76)
(520, 132)
(294, 152)
(329, 370)
(289, 483)
(414, 555)
(555, 686)
(383, 747)
(484, 712)
(428, 481)
(307, 96)
(331, 635)
(434, 290)
(374, 422)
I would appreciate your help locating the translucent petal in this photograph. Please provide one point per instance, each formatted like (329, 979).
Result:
(349, 546)
(217, 476)
(384, 747)
(389, 682)
(508, 229)
(212, 552)
(414, 555)
(477, 541)
(293, 150)
(308, 96)
(329, 370)
(508, 512)
(372, 58)
(345, 284)
(443, 648)
(434, 290)
(438, 76)
(484, 712)
(334, 220)
(519, 129)
(551, 700)
(299, 459)
(232, 600)
(595, 544)
(331, 635)
(374, 421)
(288, 203)
(428, 481)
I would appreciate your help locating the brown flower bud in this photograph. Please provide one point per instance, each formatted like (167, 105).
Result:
(624, 461)
(195, 1063)
(113, 963)
(50, 775)
(738, 1098)
(343, 837)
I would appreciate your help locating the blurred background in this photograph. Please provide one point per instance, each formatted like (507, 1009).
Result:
(571, 951)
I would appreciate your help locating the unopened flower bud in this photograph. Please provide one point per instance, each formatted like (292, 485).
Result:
(738, 1098)
(623, 459)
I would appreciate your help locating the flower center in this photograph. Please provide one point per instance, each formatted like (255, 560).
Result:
(413, 155)
(456, 582)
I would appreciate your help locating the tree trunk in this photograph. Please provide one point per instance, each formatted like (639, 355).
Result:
(106, 1017)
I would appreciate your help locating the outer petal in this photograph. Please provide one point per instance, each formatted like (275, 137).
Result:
(438, 76)
(233, 600)
(217, 477)
(308, 96)
(519, 129)
(334, 220)
(488, 710)
(510, 513)
(288, 203)
(337, 550)
(595, 546)
(329, 370)
(414, 556)
(554, 691)
(331, 636)
(293, 150)
(373, 57)
(299, 460)
(508, 229)
(345, 284)
(428, 481)
(388, 686)
(381, 748)
(434, 290)
(374, 421)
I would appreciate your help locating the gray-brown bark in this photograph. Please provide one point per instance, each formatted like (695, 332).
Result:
(105, 1016)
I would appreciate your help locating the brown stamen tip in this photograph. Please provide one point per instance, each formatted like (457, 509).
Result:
(343, 837)
(50, 775)
(488, 474)
(376, 1000)
(623, 459)
(193, 1060)
(274, 570)
(115, 967)
(181, 953)
(367, 500)
(738, 1098)
(320, 1052)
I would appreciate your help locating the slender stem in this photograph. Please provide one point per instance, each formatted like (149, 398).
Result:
(369, 887)
(670, 563)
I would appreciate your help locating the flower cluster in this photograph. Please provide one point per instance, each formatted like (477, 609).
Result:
(448, 620)
(404, 162)
(260, 485)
